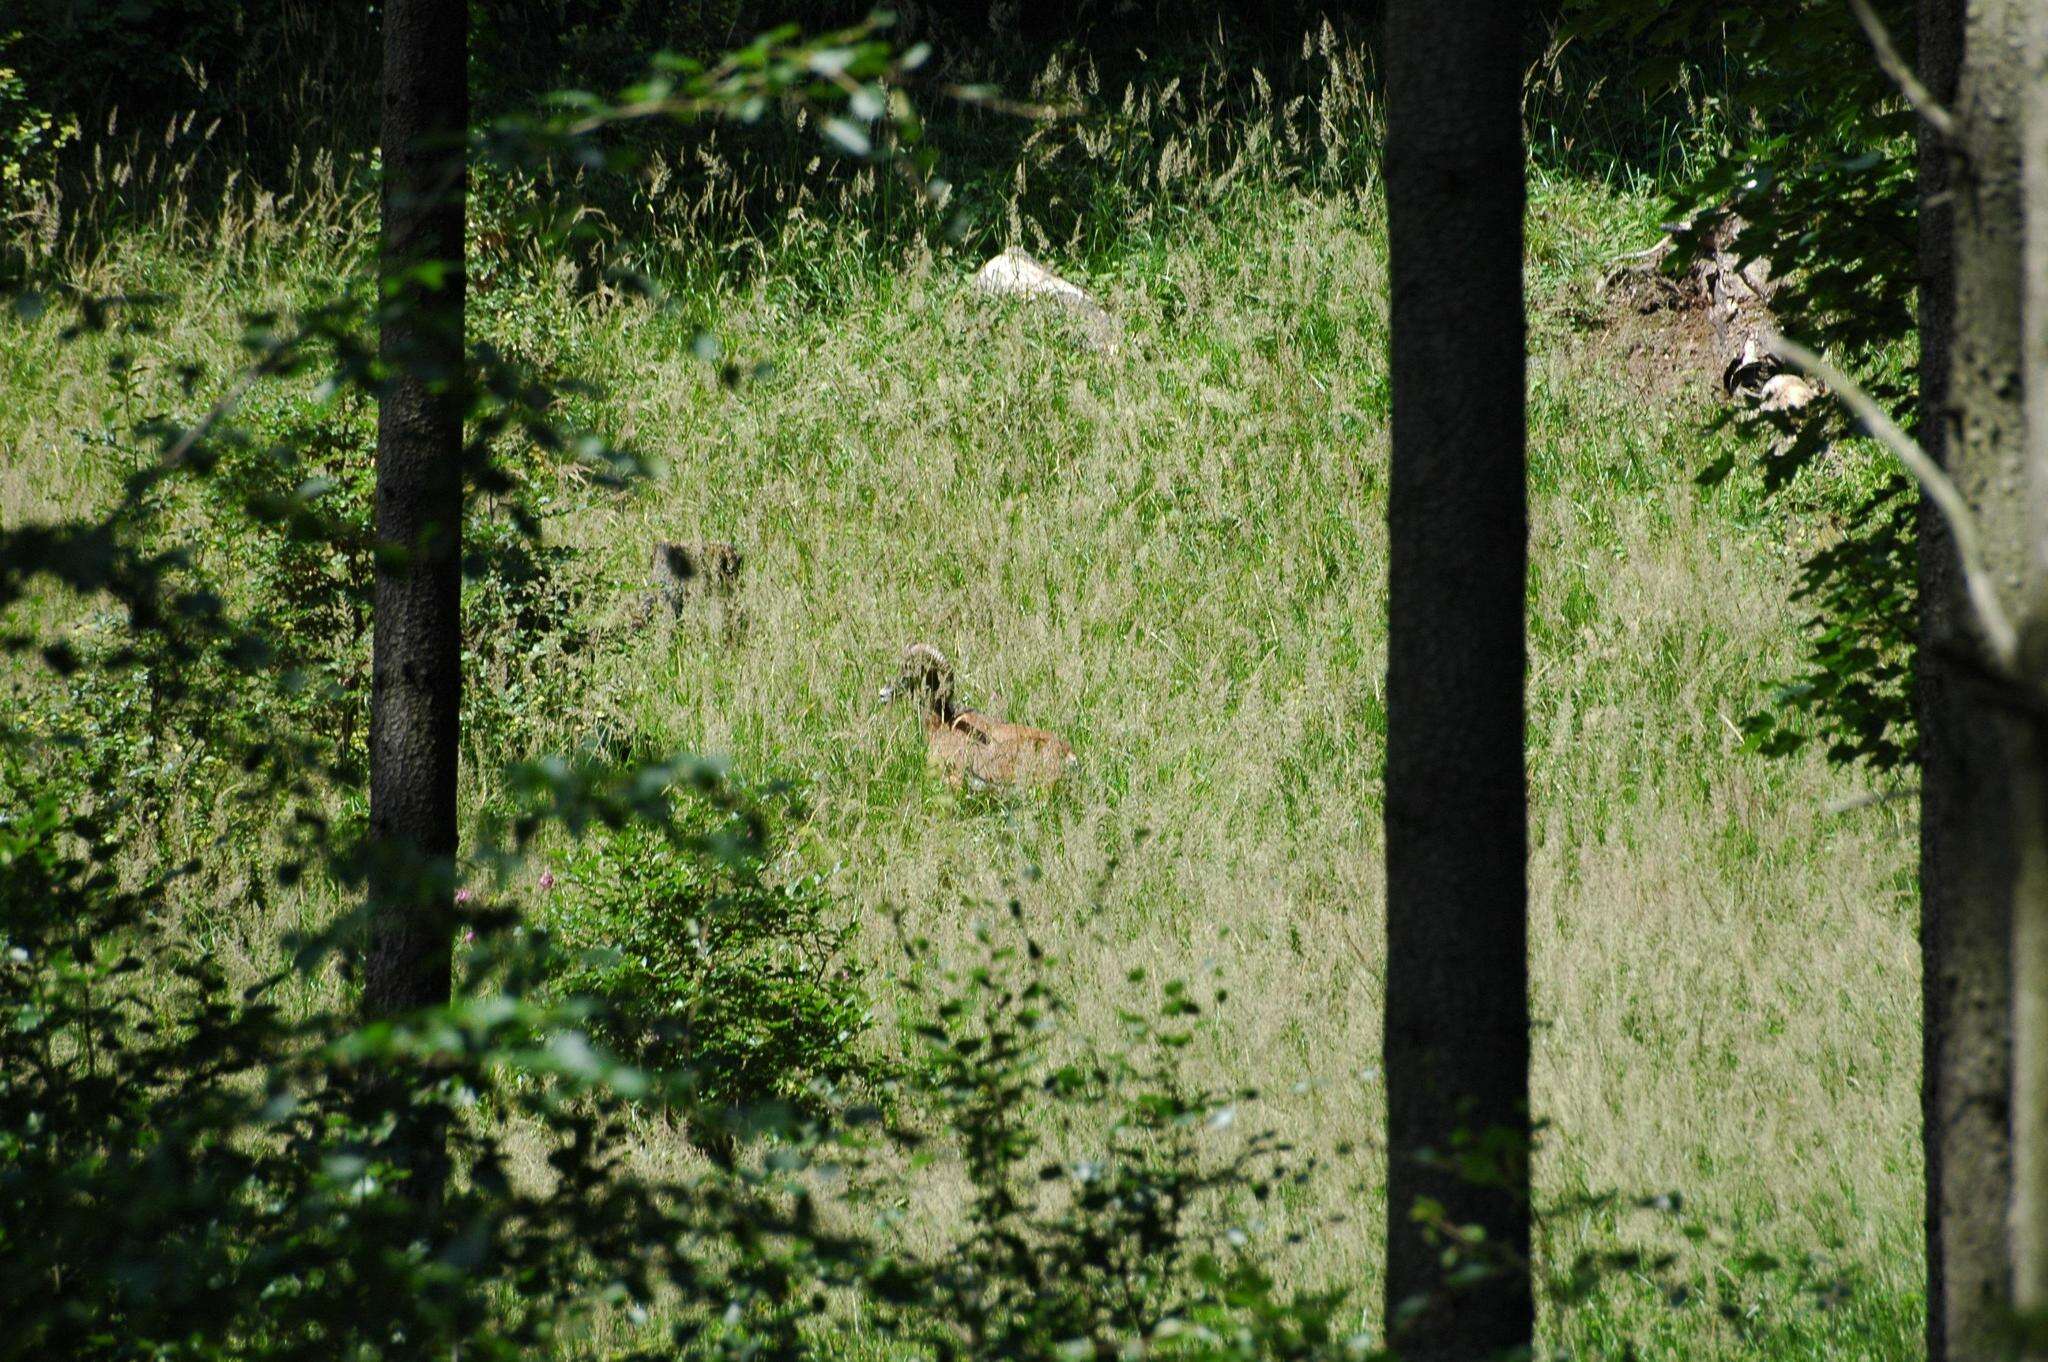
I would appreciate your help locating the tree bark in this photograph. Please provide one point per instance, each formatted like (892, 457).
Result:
(417, 648)
(1964, 846)
(1970, 851)
(1456, 1048)
(2029, 1226)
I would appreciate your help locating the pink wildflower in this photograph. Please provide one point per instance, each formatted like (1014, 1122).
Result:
(464, 895)
(547, 881)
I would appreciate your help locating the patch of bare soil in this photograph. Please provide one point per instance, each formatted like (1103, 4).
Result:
(1657, 330)
(1706, 331)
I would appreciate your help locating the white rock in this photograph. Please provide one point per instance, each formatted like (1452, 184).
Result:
(1015, 274)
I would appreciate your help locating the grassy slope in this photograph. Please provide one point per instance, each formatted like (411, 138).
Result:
(1173, 554)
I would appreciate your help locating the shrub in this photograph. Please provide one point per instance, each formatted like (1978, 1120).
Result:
(191, 1171)
(30, 134)
(288, 519)
(704, 962)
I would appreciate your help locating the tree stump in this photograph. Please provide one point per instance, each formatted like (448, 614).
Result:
(696, 575)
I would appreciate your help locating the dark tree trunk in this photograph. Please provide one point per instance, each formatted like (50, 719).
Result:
(1969, 253)
(1457, 1013)
(417, 648)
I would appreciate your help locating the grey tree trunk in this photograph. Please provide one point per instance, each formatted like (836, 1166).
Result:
(1456, 1048)
(417, 645)
(1971, 853)
(1964, 847)
(2029, 1229)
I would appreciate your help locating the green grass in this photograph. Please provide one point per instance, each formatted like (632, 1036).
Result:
(1174, 555)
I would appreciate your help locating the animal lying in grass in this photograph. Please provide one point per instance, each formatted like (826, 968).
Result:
(969, 748)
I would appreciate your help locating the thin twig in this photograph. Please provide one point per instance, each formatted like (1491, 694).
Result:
(1652, 249)
(1871, 798)
(1998, 629)
(1917, 95)
(219, 412)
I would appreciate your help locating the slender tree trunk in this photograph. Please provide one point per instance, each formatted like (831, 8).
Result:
(417, 647)
(2029, 1239)
(1964, 839)
(1457, 1014)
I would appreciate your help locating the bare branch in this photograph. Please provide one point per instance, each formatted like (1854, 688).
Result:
(1869, 799)
(1919, 96)
(219, 412)
(1991, 616)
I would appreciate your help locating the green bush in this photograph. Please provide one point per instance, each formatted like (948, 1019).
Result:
(188, 1170)
(705, 963)
(288, 520)
(30, 134)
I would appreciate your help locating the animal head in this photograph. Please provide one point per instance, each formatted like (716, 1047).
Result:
(926, 675)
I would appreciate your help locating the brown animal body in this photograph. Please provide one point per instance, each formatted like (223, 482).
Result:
(970, 748)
